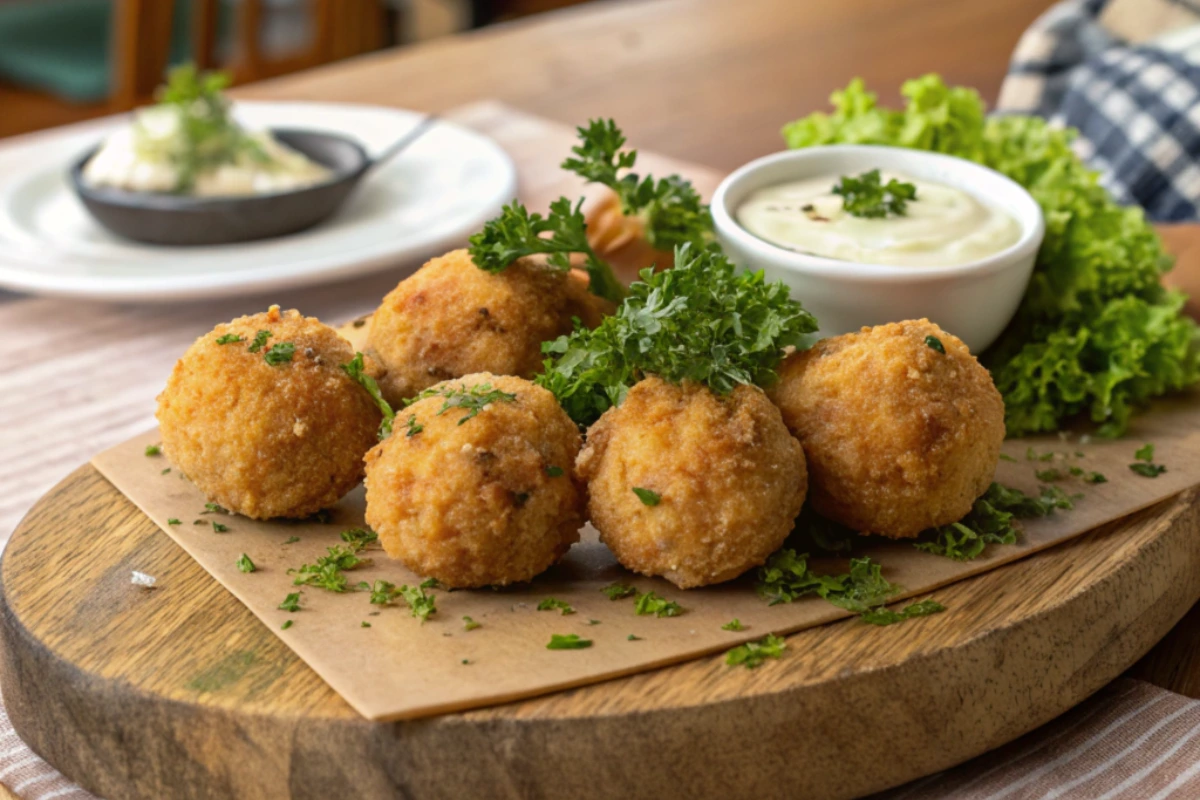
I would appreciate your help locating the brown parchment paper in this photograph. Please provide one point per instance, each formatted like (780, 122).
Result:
(400, 669)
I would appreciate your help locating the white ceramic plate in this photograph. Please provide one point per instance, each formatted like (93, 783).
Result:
(429, 199)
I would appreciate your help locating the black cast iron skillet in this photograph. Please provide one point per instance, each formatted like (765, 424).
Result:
(171, 219)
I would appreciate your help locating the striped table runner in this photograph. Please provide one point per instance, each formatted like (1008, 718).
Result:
(78, 377)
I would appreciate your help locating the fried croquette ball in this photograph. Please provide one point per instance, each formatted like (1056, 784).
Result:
(260, 416)
(451, 319)
(621, 240)
(900, 436)
(476, 485)
(720, 481)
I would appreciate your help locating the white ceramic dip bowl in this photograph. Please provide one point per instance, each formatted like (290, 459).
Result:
(974, 301)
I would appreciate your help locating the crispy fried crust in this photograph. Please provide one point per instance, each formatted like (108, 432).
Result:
(899, 437)
(268, 441)
(478, 503)
(451, 319)
(730, 477)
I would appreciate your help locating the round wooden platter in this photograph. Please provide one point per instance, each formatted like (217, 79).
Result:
(180, 692)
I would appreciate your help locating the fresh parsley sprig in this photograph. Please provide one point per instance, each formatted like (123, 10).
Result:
(867, 196)
(671, 207)
(516, 234)
(703, 321)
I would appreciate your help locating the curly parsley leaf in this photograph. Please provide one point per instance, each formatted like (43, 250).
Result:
(422, 605)
(786, 577)
(291, 602)
(990, 521)
(752, 654)
(279, 353)
(671, 207)
(328, 572)
(356, 369)
(703, 321)
(244, 564)
(516, 234)
(867, 196)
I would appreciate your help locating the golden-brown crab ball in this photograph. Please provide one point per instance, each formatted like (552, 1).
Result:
(260, 416)
(900, 424)
(476, 485)
(692, 486)
(451, 319)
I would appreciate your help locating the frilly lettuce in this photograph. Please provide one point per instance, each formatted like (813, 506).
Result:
(1096, 333)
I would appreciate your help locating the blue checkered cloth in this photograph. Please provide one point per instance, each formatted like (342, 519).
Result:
(1126, 73)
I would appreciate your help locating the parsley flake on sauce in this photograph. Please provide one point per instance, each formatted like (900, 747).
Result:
(868, 197)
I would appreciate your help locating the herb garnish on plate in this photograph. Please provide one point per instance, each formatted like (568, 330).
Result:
(868, 197)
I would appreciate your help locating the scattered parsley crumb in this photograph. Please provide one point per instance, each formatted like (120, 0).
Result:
(593, 622)
(885, 616)
(1007, 457)
(616, 591)
(292, 539)
(291, 602)
(153, 450)
(214, 508)
(260, 339)
(244, 564)
(1145, 466)
(287, 623)
(219, 528)
(470, 624)
(570, 641)
(173, 521)
(412, 427)
(647, 497)
(466, 661)
(651, 603)
(430, 583)
(165, 471)
(551, 604)
(554, 472)
(733, 625)
(632, 638)
(471, 399)
(752, 654)
(934, 343)
(229, 338)
(359, 538)
(365, 624)
(279, 354)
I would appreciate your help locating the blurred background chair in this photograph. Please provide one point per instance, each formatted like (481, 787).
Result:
(66, 60)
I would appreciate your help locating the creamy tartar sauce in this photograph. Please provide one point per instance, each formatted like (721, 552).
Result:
(141, 158)
(942, 227)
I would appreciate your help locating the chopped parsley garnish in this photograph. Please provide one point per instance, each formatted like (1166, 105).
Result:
(632, 638)
(593, 622)
(292, 539)
(934, 343)
(867, 196)
(670, 207)
(648, 497)
(153, 450)
(364, 624)
(382, 592)
(616, 591)
(214, 508)
(412, 427)
(229, 338)
(422, 605)
(356, 369)
(1144, 465)
(244, 564)
(990, 521)
(173, 521)
(885, 616)
(470, 624)
(291, 602)
(753, 654)
(704, 321)
(279, 353)
(1007, 457)
(786, 577)
(472, 399)
(570, 641)
(165, 471)
(551, 604)
(359, 538)
(516, 233)
(1094, 477)
(554, 472)
(651, 603)
(260, 340)
(1049, 475)
(198, 522)
(431, 583)
(219, 527)
(328, 572)
(733, 625)
(287, 623)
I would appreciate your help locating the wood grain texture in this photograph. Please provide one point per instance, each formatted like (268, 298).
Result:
(179, 692)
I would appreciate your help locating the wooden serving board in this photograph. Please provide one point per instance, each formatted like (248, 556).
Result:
(180, 692)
